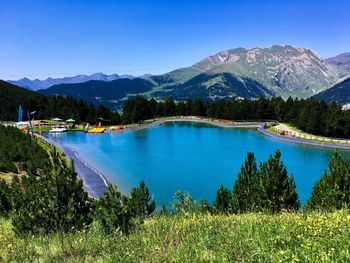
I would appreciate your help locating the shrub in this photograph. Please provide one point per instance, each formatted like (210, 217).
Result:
(204, 207)
(53, 202)
(183, 203)
(163, 211)
(5, 198)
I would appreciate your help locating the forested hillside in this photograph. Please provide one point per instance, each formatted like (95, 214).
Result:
(12, 96)
(339, 93)
(102, 92)
(21, 153)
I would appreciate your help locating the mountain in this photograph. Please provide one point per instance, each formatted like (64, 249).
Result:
(43, 84)
(339, 93)
(216, 86)
(341, 61)
(211, 87)
(101, 92)
(285, 70)
(279, 70)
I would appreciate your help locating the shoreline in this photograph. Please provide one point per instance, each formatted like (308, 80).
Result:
(96, 183)
(259, 127)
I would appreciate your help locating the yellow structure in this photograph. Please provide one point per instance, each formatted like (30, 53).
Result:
(97, 130)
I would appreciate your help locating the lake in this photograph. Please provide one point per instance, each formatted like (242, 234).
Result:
(192, 157)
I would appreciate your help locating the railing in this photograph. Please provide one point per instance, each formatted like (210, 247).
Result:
(311, 137)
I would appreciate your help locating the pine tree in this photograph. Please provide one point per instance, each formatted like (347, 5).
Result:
(222, 203)
(267, 189)
(247, 189)
(332, 191)
(141, 203)
(279, 190)
(113, 212)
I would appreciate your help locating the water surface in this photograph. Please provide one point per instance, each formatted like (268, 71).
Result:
(190, 156)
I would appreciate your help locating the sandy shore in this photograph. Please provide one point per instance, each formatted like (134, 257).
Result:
(94, 182)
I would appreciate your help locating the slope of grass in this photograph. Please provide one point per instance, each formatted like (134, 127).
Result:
(285, 237)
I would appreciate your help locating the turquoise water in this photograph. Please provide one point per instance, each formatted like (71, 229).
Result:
(191, 157)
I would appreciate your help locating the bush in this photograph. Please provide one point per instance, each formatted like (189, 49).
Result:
(5, 198)
(53, 202)
(183, 203)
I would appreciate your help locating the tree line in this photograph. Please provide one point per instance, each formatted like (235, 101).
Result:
(313, 116)
(55, 201)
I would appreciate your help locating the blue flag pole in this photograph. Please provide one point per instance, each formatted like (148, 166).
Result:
(20, 113)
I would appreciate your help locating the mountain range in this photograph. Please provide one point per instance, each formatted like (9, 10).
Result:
(342, 61)
(278, 70)
(37, 84)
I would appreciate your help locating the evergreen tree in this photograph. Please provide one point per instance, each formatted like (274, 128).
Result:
(279, 190)
(332, 191)
(222, 203)
(113, 212)
(141, 203)
(247, 189)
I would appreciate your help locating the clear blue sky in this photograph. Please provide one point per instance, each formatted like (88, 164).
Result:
(62, 38)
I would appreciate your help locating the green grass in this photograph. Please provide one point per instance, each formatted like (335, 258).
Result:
(285, 237)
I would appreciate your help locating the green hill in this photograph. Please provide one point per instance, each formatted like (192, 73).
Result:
(108, 93)
(220, 86)
(339, 93)
(11, 96)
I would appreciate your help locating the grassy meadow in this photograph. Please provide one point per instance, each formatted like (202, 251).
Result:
(283, 237)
